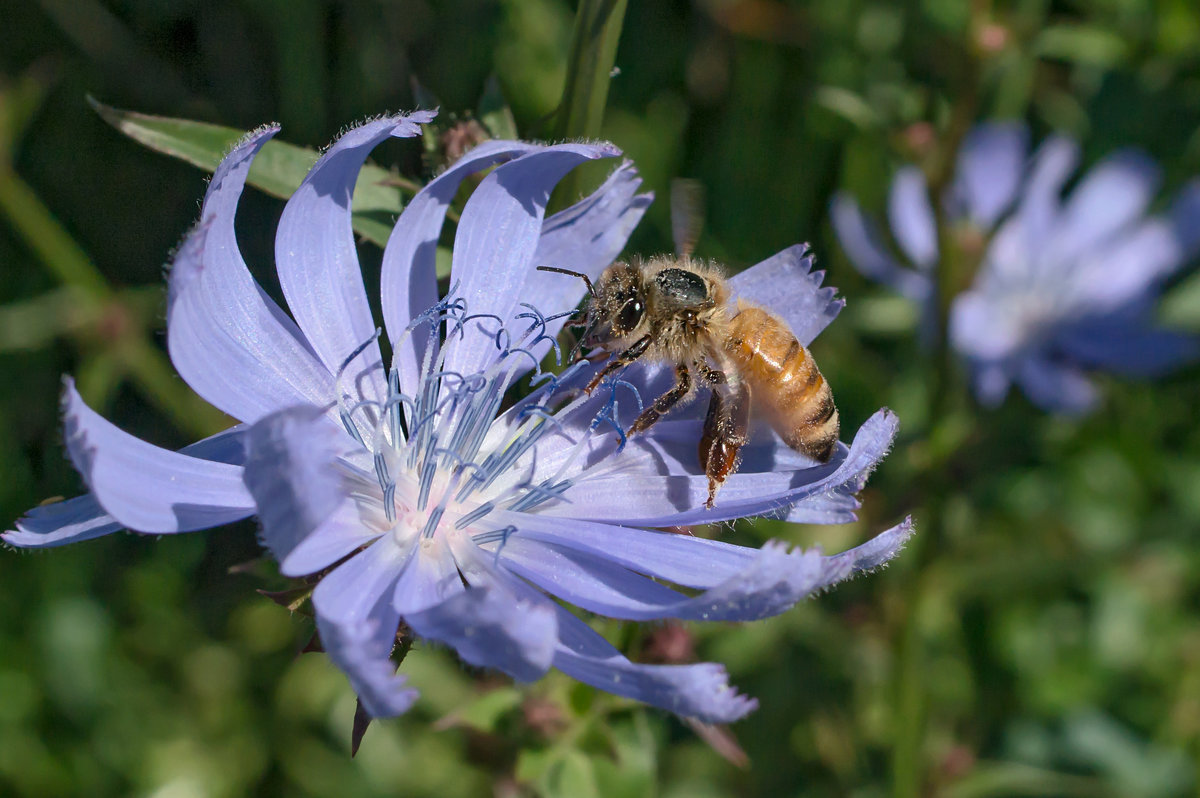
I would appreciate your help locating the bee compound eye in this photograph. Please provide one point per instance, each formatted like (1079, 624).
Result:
(630, 314)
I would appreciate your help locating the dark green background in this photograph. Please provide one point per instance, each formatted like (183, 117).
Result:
(1044, 639)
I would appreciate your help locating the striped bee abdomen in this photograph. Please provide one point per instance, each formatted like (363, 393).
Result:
(787, 385)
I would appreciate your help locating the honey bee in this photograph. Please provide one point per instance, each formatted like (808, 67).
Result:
(675, 309)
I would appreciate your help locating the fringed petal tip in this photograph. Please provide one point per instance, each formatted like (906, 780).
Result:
(877, 551)
(186, 262)
(399, 125)
(362, 649)
(781, 576)
(706, 695)
(61, 522)
(246, 145)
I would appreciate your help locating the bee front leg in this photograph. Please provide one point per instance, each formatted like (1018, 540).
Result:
(724, 435)
(663, 404)
(619, 362)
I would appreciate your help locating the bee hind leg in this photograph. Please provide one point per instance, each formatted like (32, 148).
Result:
(725, 433)
(663, 404)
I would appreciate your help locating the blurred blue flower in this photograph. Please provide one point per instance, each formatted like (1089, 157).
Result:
(1064, 286)
(411, 492)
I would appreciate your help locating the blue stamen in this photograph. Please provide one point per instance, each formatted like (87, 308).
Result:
(389, 502)
(473, 516)
(540, 494)
(493, 535)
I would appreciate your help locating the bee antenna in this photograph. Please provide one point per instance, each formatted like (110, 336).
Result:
(587, 280)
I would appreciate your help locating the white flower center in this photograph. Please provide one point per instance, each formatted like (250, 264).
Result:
(445, 458)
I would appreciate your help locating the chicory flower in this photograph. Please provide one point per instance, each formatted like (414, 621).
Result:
(1064, 286)
(422, 502)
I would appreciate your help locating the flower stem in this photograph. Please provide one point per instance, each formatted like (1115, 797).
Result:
(943, 441)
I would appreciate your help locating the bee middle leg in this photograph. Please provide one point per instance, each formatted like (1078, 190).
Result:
(725, 433)
(663, 404)
(620, 361)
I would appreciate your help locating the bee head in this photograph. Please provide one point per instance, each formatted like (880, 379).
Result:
(617, 308)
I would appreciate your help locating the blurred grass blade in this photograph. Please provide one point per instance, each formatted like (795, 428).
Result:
(63, 258)
(43, 234)
(589, 67)
(589, 71)
(91, 294)
(20, 100)
(33, 323)
(278, 169)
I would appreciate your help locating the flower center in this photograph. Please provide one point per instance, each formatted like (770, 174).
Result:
(442, 452)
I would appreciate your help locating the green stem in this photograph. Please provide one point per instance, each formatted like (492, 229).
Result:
(911, 684)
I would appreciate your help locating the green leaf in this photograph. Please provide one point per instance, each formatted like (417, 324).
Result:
(532, 764)
(485, 711)
(430, 134)
(848, 105)
(632, 773)
(1181, 306)
(278, 169)
(572, 776)
(494, 112)
(1081, 44)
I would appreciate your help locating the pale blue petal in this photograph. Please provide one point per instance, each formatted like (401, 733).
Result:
(991, 164)
(341, 533)
(1126, 271)
(982, 326)
(1056, 386)
(430, 578)
(62, 522)
(911, 217)
(638, 498)
(227, 339)
(681, 559)
(146, 488)
(496, 241)
(318, 264)
(347, 595)
(484, 622)
(491, 628)
(860, 240)
(82, 518)
(836, 507)
(1127, 346)
(1113, 195)
(773, 581)
(308, 519)
(699, 691)
(1185, 217)
(362, 649)
(409, 279)
(1040, 206)
(991, 381)
(786, 284)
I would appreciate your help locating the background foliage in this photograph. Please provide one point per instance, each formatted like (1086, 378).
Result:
(1040, 637)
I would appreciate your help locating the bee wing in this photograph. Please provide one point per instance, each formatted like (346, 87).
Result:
(687, 214)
